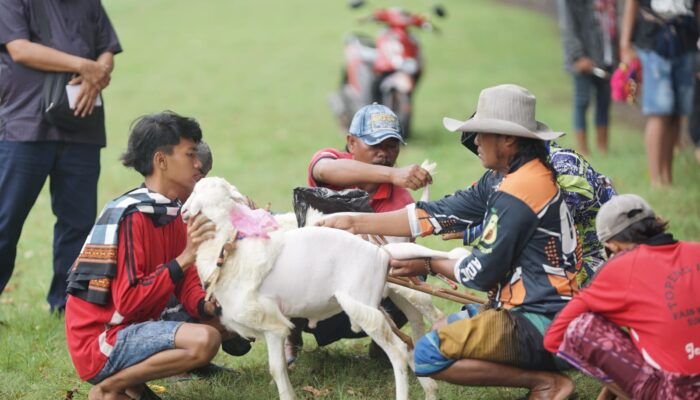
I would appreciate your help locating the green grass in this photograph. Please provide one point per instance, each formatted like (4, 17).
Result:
(256, 74)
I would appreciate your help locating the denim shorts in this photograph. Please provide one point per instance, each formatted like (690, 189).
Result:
(136, 343)
(667, 84)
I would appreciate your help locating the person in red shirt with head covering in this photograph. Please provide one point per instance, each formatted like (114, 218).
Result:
(138, 254)
(649, 287)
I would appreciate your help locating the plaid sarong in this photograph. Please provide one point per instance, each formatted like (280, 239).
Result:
(600, 349)
(91, 275)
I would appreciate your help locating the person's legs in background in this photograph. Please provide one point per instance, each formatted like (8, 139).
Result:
(73, 187)
(602, 112)
(658, 104)
(582, 95)
(23, 171)
(683, 79)
(694, 122)
(673, 135)
(655, 134)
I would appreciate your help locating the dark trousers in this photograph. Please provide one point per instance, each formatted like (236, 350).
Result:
(339, 327)
(74, 170)
(584, 85)
(694, 122)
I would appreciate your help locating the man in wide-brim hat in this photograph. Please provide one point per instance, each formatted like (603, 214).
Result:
(526, 256)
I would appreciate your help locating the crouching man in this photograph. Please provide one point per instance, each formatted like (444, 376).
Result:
(137, 255)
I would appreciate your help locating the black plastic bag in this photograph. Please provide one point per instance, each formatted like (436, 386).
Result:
(328, 201)
(56, 109)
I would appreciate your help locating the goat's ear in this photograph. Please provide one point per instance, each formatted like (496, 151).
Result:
(236, 195)
(191, 208)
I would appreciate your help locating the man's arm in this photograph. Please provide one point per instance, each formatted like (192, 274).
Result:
(133, 287)
(93, 77)
(392, 223)
(573, 48)
(44, 58)
(454, 213)
(606, 296)
(341, 172)
(87, 97)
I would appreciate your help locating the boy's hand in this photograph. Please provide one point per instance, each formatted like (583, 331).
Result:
(199, 229)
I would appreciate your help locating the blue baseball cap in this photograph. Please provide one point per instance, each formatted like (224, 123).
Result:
(375, 123)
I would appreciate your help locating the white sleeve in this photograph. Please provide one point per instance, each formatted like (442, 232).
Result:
(413, 220)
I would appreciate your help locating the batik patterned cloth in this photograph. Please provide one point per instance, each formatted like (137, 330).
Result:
(599, 348)
(91, 274)
(585, 191)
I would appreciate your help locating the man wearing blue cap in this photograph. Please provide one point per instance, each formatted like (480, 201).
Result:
(372, 147)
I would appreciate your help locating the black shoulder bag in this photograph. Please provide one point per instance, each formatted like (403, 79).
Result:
(55, 107)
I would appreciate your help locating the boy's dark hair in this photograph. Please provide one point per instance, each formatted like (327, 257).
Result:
(641, 231)
(157, 132)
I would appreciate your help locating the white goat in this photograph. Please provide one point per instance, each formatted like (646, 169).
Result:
(415, 305)
(311, 273)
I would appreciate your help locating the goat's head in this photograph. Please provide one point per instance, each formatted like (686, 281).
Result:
(212, 193)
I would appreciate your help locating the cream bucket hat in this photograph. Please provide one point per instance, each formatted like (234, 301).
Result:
(504, 110)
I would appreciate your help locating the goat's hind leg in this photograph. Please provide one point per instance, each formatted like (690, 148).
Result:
(372, 321)
(415, 318)
(278, 365)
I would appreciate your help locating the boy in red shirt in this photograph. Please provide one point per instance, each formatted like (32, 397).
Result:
(137, 255)
(650, 287)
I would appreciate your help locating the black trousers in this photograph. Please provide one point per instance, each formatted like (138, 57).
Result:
(73, 170)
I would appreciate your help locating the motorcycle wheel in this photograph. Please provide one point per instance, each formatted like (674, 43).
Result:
(400, 103)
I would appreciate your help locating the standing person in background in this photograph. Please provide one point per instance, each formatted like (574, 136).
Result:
(75, 37)
(589, 38)
(694, 122)
(649, 286)
(664, 34)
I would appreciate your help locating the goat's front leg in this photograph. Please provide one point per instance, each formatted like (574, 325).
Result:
(278, 365)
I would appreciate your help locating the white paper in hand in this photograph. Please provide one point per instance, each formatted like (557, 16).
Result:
(72, 92)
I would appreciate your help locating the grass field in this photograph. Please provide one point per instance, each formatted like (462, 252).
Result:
(256, 75)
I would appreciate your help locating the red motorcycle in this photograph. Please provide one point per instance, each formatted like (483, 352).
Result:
(385, 70)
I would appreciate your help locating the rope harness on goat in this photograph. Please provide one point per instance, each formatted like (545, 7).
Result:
(211, 281)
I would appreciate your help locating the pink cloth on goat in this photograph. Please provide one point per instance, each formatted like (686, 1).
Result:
(252, 223)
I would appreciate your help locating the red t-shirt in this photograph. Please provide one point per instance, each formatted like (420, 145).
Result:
(147, 275)
(388, 197)
(654, 291)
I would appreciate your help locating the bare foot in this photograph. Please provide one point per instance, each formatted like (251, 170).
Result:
(554, 387)
(98, 393)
